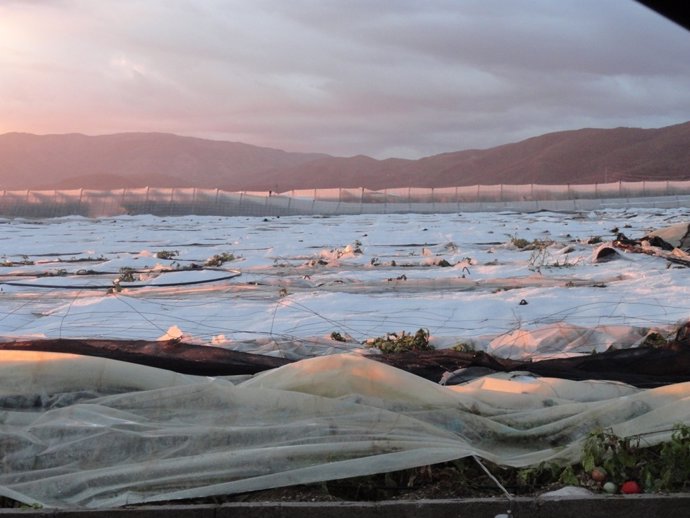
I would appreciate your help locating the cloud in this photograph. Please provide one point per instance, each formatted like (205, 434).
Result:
(377, 78)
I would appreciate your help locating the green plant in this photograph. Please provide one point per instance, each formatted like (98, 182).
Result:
(617, 455)
(60, 272)
(654, 340)
(541, 258)
(88, 259)
(523, 244)
(126, 274)
(674, 458)
(663, 467)
(167, 254)
(464, 347)
(544, 475)
(519, 242)
(219, 259)
(24, 262)
(316, 262)
(394, 343)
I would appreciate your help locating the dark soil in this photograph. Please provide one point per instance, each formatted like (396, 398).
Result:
(460, 479)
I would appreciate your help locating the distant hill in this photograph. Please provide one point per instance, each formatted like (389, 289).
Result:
(135, 160)
(164, 160)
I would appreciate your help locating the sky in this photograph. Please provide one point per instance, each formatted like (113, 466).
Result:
(386, 78)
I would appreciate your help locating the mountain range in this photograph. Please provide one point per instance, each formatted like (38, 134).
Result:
(73, 161)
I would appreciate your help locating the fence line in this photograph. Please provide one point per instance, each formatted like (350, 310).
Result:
(186, 201)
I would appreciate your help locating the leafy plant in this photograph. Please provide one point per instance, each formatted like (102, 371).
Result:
(545, 475)
(519, 242)
(24, 262)
(664, 467)
(88, 259)
(60, 272)
(617, 455)
(167, 254)
(674, 459)
(464, 347)
(126, 274)
(541, 258)
(394, 343)
(654, 340)
(219, 259)
(523, 244)
(86, 272)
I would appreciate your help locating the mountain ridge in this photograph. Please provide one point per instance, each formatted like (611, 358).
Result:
(587, 155)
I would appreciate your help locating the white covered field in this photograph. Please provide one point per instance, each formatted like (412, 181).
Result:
(304, 277)
(79, 431)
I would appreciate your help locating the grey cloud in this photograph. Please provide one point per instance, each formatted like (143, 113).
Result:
(366, 77)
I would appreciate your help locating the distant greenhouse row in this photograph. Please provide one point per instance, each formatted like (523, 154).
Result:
(192, 201)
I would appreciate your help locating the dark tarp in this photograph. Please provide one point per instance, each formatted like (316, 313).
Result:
(200, 360)
(644, 367)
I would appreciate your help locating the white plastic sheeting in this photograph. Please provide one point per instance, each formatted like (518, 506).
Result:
(165, 201)
(78, 431)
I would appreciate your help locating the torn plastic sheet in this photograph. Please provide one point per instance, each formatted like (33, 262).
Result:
(91, 432)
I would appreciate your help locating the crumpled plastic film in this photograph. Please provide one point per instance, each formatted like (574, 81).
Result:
(90, 432)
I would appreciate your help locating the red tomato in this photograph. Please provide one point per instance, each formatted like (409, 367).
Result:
(631, 487)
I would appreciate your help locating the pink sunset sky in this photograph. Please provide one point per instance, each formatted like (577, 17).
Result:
(384, 78)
